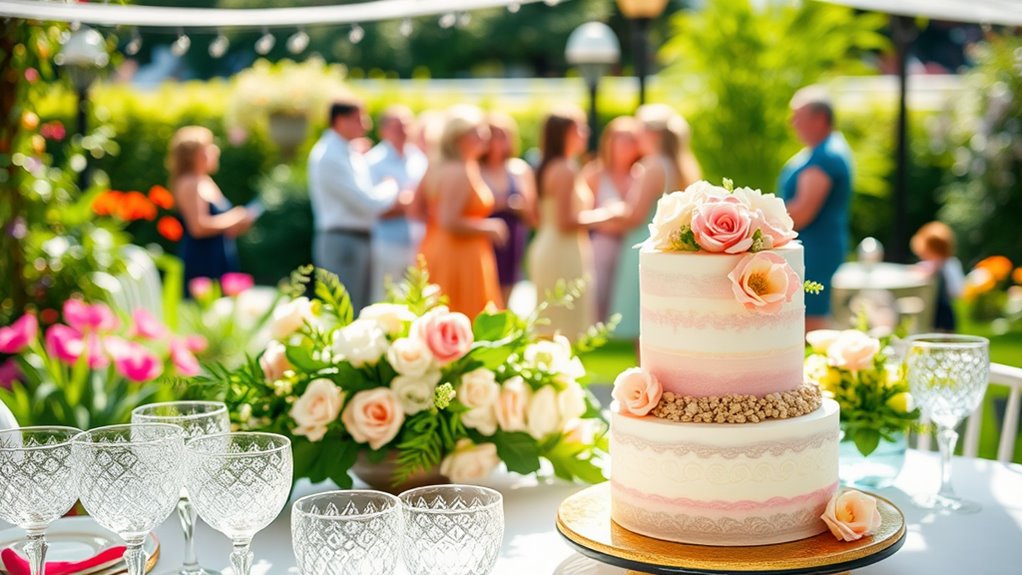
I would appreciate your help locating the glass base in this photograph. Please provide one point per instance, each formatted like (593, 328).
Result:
(198, 571)
(943, 504)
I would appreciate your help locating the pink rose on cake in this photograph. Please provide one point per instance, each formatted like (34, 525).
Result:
(853, 350)
(673, 218)
(852, 515)
(723, 225)
(637, 391)
(763, 282)
(772, 218)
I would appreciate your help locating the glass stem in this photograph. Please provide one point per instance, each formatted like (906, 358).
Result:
(134, 557)
(947, 438)
(186, 513)
(36, 551)
(241, 557)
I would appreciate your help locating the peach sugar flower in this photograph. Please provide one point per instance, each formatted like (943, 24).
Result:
(851, 515)
(763, 282)
(637, 391)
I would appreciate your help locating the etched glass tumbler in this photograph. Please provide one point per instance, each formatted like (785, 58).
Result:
(347, 533)
(452, 529)
(131, 477)
(239, 482)
(38, 483)
(948, 377)
(196, 418)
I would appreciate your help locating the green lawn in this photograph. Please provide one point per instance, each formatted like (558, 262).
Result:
(604, 364)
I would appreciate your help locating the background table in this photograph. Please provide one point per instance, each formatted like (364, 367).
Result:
(887, 293)
(988, 543)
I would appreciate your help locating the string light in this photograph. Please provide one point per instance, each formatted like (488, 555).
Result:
(265, 43)
(464, 19)
(447, 20)
(135, 44)
(406, 27)
(298, 42)
(514, 6)
(218, 47)
(181, 45)
(356, 34)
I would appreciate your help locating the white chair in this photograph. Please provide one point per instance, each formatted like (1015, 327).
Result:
(139, 286)
(7, 420)
(1004, 376)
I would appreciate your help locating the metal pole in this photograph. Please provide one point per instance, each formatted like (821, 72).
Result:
(593, 86)
(904, 33)
(82, 118)
(640, 51)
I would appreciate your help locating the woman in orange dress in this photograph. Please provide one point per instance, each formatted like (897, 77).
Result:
(460, 234)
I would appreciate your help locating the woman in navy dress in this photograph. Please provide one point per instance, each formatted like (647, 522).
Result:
(211, 223)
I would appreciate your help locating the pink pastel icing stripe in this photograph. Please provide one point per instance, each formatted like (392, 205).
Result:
(739, 322)
(681, 285)
(812, 498)
(719, 375)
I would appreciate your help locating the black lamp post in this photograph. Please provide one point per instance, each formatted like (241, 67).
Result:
(592, 47)
(82, 56)
(641, 13)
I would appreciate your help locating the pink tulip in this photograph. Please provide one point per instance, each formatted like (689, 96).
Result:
(84, 317)
(200, 287)
(19, 334)
(233, 283)
(116, 347)
(97, 357)
(196, 343)
(147, 326)
(138, 363)
(64, 343)
(184, 362)
(9, 373)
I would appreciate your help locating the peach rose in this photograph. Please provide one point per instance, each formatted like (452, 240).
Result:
(853, 350)
(290, 317)
(317, 408)
(410, 356)
(763, 282)
(470, 462)
(723, 225)
(448, 335)
(479, 391)
(821, 339)
(274, 361)
(637, 391)
(851, 515)
(512, 404)
(374, 417)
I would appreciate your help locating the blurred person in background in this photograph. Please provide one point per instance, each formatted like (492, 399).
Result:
(667, 165)
(211, 223)
(514, 191)
(611, 175)
(457, 206)
(934, 245)
(561, 250)
(816, 185)
(345, 203)
(395, 240)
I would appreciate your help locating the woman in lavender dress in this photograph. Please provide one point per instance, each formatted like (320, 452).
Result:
(513, 185)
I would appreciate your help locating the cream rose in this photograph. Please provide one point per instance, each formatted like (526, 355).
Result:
(448, 335)
(674, 214)
(853, 350)
(317, 408)
(554, 356)
(374, 417)
(773, 218)
(543, 417)
(637, 391)
(571, 402)
(469, 462)
(852, 515)
(512, 404)
(415, 392)
(410, 356)
(274, 361)
(479, 391)
(362, 342)
(290, 317)
(763, 282)
(391, 316)
(821, 339)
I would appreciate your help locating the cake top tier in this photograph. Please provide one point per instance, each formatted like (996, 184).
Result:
(719, 219)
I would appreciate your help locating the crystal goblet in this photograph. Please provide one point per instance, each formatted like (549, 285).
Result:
(452, 529)
(131, 477)
(347, 533)
(239, 482)
(948, 377)
(196, 418)
(38, 483)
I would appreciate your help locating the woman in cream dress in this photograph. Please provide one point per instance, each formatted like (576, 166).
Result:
(561, 248)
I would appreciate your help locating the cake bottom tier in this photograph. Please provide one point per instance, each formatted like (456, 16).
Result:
(724, 484)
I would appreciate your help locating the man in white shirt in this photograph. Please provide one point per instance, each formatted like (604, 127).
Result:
(345, 203)
(395, 240)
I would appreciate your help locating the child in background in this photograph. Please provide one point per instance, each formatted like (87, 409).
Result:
(934, 245)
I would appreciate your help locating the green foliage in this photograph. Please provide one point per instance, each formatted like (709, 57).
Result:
(812, 287)
(334, 296)
(518, 450)
(425, 438)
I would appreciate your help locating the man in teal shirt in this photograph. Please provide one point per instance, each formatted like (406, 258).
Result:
(816, 185)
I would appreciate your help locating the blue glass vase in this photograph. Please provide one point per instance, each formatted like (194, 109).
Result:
(875, 471)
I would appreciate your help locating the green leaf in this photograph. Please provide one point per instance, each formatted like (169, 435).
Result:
(301, 358)
(866, 440)
(490, 356)
(334, 296)
(492, 326)
(330, 458)
(518, 451)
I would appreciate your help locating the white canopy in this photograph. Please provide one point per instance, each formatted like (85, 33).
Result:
(173, 17)
(1004, 12)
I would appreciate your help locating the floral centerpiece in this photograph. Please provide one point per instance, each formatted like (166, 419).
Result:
(414, 387)
(232, 314)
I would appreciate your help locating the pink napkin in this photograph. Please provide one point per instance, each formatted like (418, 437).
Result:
(16, 565)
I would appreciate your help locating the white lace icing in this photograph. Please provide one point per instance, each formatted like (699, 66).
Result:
(752, 451)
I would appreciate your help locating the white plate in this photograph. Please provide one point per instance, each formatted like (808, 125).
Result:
(77, 539)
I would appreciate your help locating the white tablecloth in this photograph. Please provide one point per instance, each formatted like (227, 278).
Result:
(988, 543)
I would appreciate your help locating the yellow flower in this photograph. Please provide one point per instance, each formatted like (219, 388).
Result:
(900, 402)
(831, 379)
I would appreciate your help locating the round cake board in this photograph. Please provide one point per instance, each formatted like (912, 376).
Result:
(584, 520)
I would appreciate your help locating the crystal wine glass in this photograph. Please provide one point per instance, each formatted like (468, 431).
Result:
(948, 376)
(347, 533)
(131, 477)
(452, 529)
(196, 418)
(239, 482)
(38, 483)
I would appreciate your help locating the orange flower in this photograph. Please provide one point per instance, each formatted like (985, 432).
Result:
(161, 197)
(998, 266)
(106, 204)
(170, 228)
(135, 206)
(29, 121)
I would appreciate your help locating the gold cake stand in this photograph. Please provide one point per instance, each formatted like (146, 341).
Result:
(584, 520)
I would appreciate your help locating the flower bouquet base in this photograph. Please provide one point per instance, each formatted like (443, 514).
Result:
(380, 476)
(584, 521)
